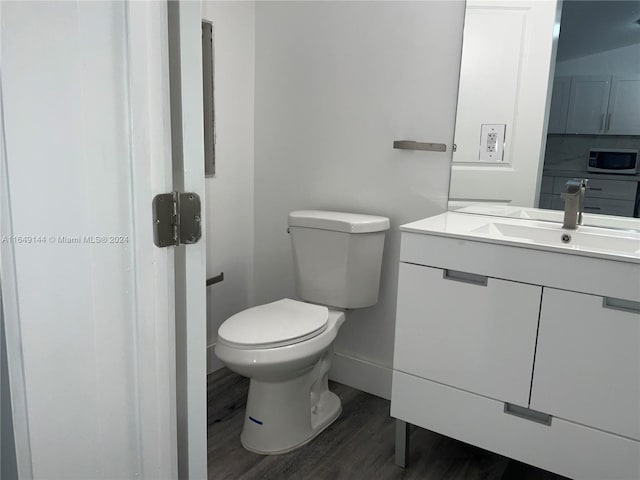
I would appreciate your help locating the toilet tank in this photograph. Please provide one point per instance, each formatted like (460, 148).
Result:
(337, 257)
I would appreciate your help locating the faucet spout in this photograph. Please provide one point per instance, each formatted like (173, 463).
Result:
(573, 197)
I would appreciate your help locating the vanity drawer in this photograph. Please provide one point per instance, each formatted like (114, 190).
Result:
(604, 206)
(587, 366)
(599, 188)
(612, 189)
(474, 333)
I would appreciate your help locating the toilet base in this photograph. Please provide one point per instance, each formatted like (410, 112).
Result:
(282, 416)
(332, 413)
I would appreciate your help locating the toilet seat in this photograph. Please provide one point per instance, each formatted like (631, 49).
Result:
(277, 324)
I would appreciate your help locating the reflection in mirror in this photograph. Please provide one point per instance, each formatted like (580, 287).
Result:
(591, 103)
(594, 122)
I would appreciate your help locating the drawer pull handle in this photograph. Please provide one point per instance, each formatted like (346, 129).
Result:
(595, 189)
(587, 207)
(528, 414)
(620, 304)
(466, 277)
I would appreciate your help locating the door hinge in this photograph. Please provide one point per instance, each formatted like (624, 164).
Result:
(176, 219)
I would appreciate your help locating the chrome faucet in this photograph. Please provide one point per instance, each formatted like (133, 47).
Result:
(573, 197)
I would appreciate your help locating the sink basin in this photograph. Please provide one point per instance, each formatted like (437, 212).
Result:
(585, 238)
(597, 242)
(556, 216)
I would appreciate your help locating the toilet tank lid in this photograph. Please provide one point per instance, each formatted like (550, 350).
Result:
(338, 221)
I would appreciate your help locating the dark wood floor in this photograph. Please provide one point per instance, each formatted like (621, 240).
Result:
(359, 445)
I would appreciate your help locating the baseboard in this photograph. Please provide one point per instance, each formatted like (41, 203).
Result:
(361, 374)
(354, 372)
(213, 362)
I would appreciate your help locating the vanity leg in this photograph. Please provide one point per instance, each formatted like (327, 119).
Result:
(402, 443)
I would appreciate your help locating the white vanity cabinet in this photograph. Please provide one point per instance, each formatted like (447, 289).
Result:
(527, 350)
(459, 337)
(587, 366)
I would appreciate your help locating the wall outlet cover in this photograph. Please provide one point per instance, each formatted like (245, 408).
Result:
(492, 138)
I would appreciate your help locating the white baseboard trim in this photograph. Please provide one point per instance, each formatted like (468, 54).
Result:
(351, 371)
(213, 362)
(361, 374)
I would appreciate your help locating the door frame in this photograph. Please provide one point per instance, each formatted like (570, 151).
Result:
(187, 142)
(147, 32)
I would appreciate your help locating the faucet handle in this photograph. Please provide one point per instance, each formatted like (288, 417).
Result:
(575, 185)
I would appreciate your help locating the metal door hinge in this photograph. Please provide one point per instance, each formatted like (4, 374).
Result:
(176, 219)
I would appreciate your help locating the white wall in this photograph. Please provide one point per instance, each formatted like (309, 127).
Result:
(229, 195)
(336, 84)
(619, 61)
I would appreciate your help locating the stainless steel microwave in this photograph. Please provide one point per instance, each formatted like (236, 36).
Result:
(622, 161)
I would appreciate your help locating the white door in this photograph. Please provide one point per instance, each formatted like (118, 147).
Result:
(89, 301)
(506, 51)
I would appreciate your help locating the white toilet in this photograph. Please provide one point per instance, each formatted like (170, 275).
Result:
(285, 347)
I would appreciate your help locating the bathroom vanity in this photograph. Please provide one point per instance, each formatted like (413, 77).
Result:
(512, 337)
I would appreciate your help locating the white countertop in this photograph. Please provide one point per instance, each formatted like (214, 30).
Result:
(606, 243)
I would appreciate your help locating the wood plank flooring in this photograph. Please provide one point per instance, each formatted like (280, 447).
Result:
(359, 445)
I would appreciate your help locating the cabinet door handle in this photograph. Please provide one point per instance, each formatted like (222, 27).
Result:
(608, 126)
(620, 304)
(528, 414)
(602, 116)
(466, 277)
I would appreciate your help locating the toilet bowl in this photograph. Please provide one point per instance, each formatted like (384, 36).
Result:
(289, 401)
(285, 347)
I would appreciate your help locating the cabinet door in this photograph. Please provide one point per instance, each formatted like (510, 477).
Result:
(546, 201)
(587, 366)
(623, 117)
(546, 185)
(470, 332)
(559, 105)
(588, 104)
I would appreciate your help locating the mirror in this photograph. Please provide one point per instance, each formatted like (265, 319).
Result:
(544, 87)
